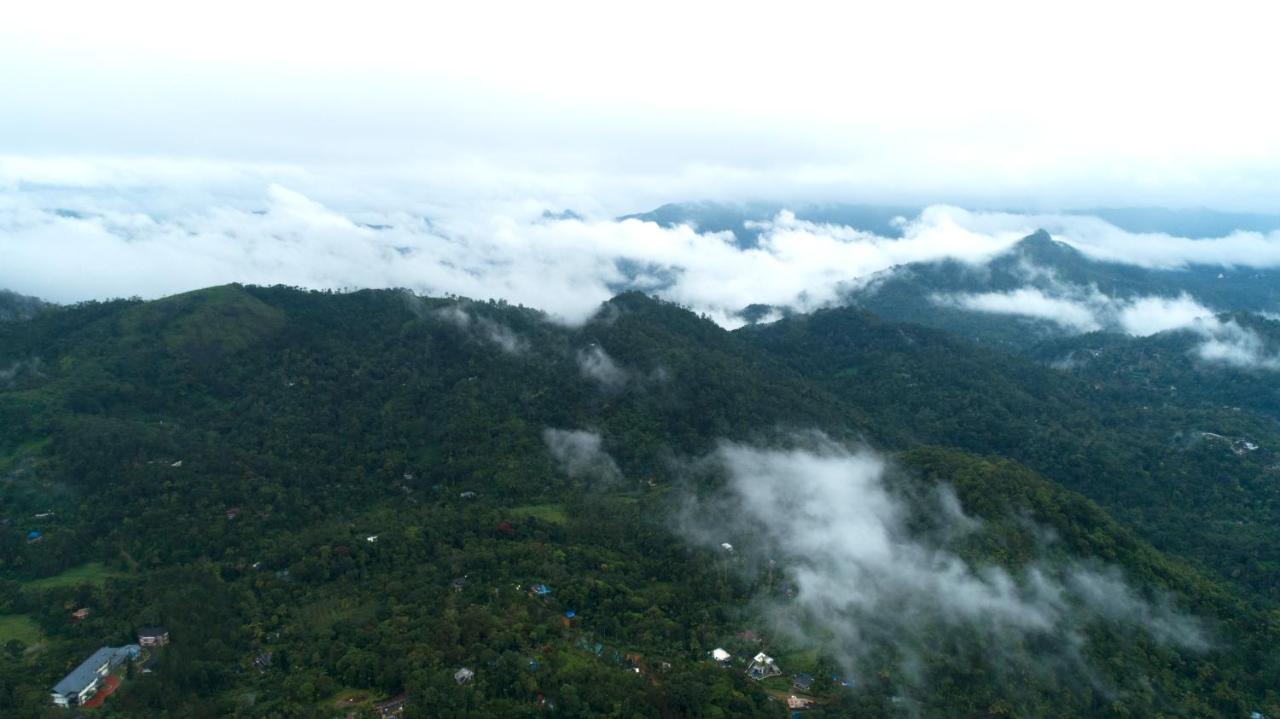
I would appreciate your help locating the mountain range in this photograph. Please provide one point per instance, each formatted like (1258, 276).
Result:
(935, 510)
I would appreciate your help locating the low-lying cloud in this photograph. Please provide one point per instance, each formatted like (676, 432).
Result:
(862, 579)
(596, 365)
(1028, 302)
(580, 453)
(483, 328)
(1076, 309)
(157, 230)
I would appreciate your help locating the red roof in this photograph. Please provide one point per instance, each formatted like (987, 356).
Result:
(108, 686)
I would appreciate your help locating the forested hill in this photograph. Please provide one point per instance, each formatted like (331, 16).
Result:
(1162, 461)
(940, 293)
(14, 307)
(331, 498)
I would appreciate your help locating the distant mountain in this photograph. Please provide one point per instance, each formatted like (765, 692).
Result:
(15, 307)
(881, 219)
(981, 301)
(1193, 223)
(731, 217)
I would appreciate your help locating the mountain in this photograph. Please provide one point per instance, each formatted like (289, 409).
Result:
(738, 218)
(1125, 442)
(330, 498)
(1042, 289)
(883, 219)
(1195, 223)
(15, 307)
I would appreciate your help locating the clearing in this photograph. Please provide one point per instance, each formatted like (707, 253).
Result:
(20, 627)
(552, 513)
(91, 573)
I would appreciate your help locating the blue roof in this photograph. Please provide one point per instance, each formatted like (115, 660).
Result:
(33, 534)
(541, 589)
(84, 675)
(570, 614)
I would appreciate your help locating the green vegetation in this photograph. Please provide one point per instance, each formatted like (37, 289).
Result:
(306, 475)
(91, 573)
(19, 627)
(551, 513)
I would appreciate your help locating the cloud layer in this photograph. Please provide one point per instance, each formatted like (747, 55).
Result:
(157, 228)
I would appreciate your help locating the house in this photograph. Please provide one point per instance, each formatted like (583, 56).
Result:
(726, 546)
(233, 512)
(540, 590)
(34, 536)
(371, 538)
(82, 683)
(721, 655)
(81, 614)
(762, 667)
(468, 495)
(153, 636)
(262, 660)
(464, 676)
(795, 702)
(803, 682)
(458, 584)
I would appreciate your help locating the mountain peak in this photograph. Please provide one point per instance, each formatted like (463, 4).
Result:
(1041, 248)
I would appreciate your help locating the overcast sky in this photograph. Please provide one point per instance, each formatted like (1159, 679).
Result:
(1085, 104)
(169, 131)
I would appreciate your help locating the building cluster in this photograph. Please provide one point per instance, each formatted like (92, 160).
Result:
(91, 676)
(83, 682)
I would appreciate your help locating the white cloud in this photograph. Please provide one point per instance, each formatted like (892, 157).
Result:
(1101, 240)
(863, 577)
(483, 327)
(596, 364)
(1085, 309)
(1147, 316)
(1240, 347)
(1028, 302)
(152, 228)
(581, 454)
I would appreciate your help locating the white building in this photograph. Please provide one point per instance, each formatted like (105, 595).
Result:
(82, 683)
(763, 667)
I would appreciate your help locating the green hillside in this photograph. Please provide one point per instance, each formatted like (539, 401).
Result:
(367, 487)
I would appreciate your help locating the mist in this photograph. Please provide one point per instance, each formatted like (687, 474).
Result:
(864, 580)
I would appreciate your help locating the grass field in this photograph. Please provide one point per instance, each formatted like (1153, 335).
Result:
(20, 627)
(553, 513)
(91, 573)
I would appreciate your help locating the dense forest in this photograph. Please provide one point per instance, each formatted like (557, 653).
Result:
(333, 499)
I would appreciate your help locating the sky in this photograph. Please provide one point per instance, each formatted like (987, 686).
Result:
(174, 147)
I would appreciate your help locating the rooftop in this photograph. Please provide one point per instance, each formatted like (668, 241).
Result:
(85, 674)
